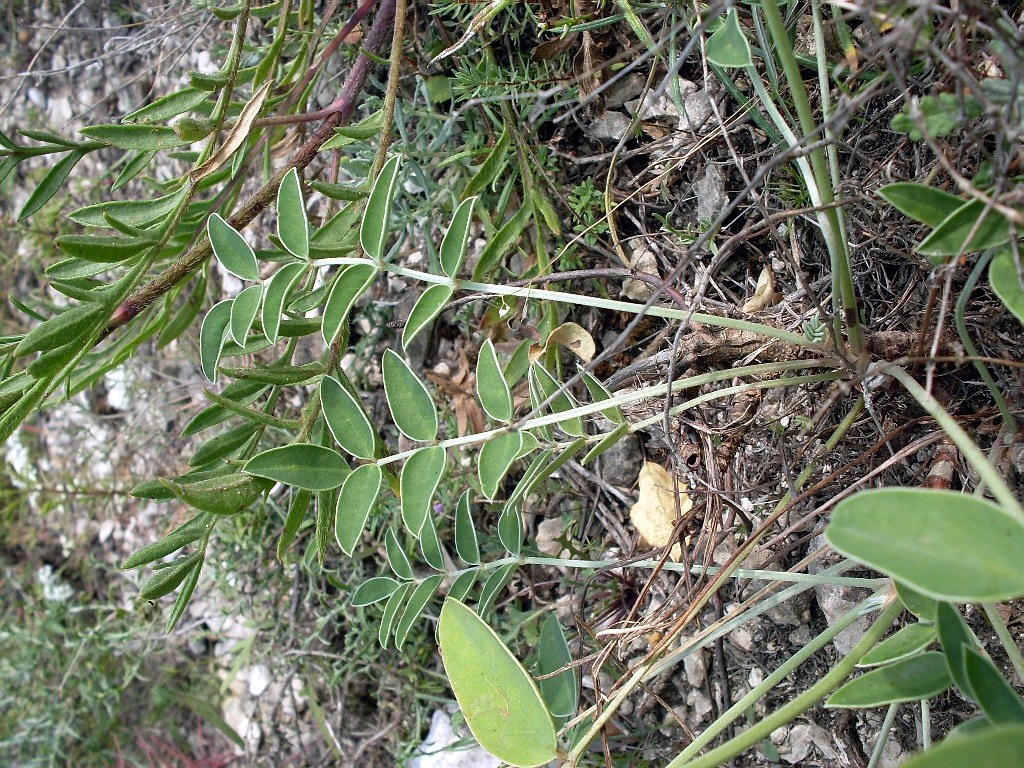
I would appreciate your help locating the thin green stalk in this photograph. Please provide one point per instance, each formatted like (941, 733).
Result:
(793, 709)
(883, 735)
(842, 274)
(972, 453)
(965, 338)
(539, 294)
(710, 733)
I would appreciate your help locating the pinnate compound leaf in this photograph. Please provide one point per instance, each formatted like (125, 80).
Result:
(908, 641)
(995, 696)
(466, 544)
(411, 404)
(276, 297)
(996, 747)
(928, 539)
(491, 387)
(496, 458)
(348, 286)
(427, 307)
(231, 249)
(212, 335)
(420, 477)
(953, 236)
(560, 691)
(374, 590)
(1006, 282)
(244, 308)
(346, 419)
(453, 246)
(728, 47)
(376, 217)
(418, 600)
(921, 202)
(919, 677)
(357, 498)
(312, 467)
(292, 224)
(498, 698)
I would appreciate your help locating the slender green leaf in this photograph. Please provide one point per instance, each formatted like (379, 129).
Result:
(136, 165)
(956, 637)
(919, 605)
(453, 246)
(1006, 282)
(356, 500)
(560, 691)
(510, 528)
(172, 542)
(50, 184)
(430, 545)
(241, 392)
(728, 46)
(995, 696)
(278, 289)
(908, 641)
(391, 610)
(374, 590)
(921, 202)
(102, 250)
(232, 251)
(919, 677)
(138, 213)
(420, 477)
(346, 419)
(546, 386)
(491, 386)
(166, 107)
(243, 312)
(312, 467)
(348, 286)
(70, 325)
(498, 698)
(133, 136)
(502, 242)
(992, 748)
(212, 335)
(496, 458)
(418, 600)
(497, 580)
(296, 514)
(599, 392)
(221, 445)
(605, 443)
(376, 217)
(466, 544)
(929, 540)
(429, 305)
(166, 580)
(490, 168)
(219, 495)
(462, 585)
(292, 224)
(411, 404)
(188, 586)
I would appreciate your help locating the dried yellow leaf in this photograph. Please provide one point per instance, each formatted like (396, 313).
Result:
(764, 294)
(574, 338)
(655, 513)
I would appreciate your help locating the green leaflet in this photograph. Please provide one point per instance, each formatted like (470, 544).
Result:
(346, 419)
(376, 217)
(60, 330)
(498, 698)
(496, 458)
(1002, 274)
(921, 202)
(50, 184)
(453, 246)
(560, 691)
(232, 251)
(166, 580)
(999, 748)
(224, 495)
(244, 308)
(172, 542)
(429, 305)
(349, 285)
(905, 643)
(420, 477)
(919, 677)
(411, 405)
(491, 387)
(418, 600)
(292, 224)
(102, 250)
(466, 544)
(728, 46)
(212, 335)
(131, 136)
(166, 107)
(356, 499)
(954, 235)
(274, 300)
(397, 558)
(312, 467)
(374, 590)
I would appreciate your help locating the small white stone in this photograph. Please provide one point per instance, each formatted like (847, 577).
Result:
(259, 679)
